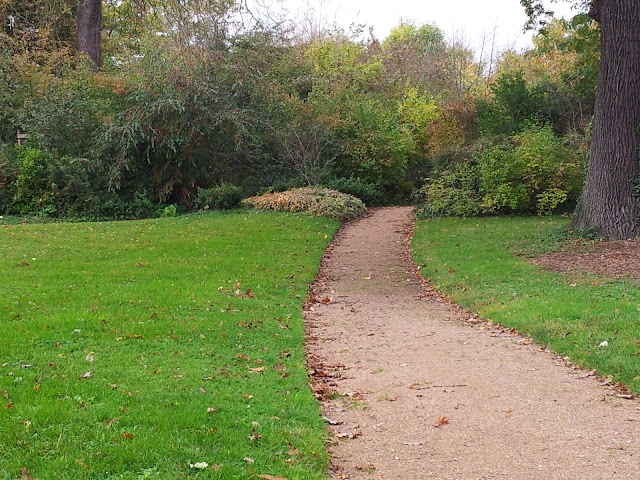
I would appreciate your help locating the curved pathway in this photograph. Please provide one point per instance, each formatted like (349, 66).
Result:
(413, 392)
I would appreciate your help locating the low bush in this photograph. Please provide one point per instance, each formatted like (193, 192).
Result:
(532, 172)
(222, 197)
(370, 193)
(452, 194)
(312, 200)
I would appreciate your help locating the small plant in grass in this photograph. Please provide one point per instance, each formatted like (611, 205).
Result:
(169, 211)
(312, 200)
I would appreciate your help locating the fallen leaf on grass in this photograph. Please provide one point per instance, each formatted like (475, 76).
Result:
(441, 421)
(257, 370)
(85, 375)
(24, 474)
(127, 436)
(212, 410)
(264, 476)
(199, 465)
(248, 459)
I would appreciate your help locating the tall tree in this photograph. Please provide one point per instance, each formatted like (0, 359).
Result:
(609, 203)
(89, 28)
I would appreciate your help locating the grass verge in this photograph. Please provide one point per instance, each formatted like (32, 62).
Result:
(472, 262)
(146, 349)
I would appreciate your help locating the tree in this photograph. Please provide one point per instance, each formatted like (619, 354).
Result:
(89, 25)
(609, 203)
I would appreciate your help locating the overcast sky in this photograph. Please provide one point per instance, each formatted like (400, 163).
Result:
(470, 19)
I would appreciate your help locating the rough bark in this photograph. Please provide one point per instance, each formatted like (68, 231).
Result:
(609, 204)
(89, 27)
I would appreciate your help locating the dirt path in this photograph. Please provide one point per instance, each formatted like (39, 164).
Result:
(423, 395)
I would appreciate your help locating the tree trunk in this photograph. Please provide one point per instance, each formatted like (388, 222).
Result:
(89, 27)
(609, 203)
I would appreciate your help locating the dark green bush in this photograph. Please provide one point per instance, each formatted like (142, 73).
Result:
(9, 169)
(223, 197)
(370, 193)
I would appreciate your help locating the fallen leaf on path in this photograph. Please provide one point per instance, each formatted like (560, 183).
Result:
(441, 421)
(413, 444)
(332, 422)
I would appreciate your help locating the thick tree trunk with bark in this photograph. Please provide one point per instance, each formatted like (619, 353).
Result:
(89, 27)
(609, 203)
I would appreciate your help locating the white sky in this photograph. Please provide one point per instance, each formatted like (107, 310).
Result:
(468, 19)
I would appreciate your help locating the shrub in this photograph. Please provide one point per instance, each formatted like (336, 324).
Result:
(9, 169)
(536, 167)
(33, 195)
(454, 193)
(223, 197)
(169, 210)
(534, 172)
(369, 193)
(312, 200)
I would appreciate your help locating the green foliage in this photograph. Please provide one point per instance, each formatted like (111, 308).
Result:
(9, 169)
(169, 211)
(370, 193)
(424, 39)
(514, 106)
(313, 201)
(32, 184)
(222, 197)
(533, 173)
(452, 194)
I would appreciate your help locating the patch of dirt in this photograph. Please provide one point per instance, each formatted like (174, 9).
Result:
(604, 259)
(413, 387)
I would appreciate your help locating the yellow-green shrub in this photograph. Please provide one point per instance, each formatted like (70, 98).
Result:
(314, 201)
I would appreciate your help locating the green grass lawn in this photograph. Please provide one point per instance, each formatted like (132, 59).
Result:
(472, 261)
(131, 350)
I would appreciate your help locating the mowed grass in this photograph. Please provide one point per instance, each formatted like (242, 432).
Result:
(472, 261)
(133, 350)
